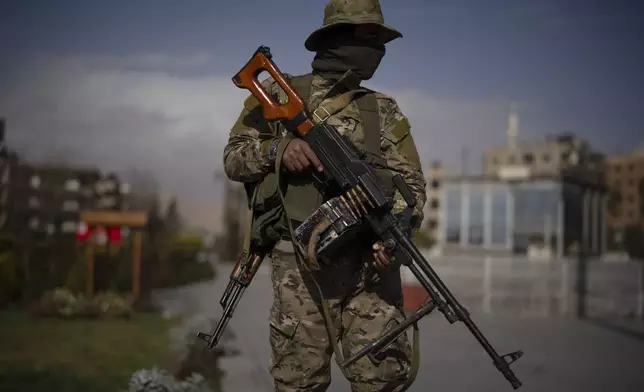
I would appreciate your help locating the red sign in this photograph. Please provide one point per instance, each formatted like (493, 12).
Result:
(114, 235)
(100, 235)
(83, 232)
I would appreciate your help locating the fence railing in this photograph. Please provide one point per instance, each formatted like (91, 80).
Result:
(523, 287)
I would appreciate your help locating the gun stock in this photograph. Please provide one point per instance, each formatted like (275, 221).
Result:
(293, 110)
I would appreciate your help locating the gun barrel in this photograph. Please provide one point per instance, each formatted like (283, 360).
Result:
(226, 296)
(235, 295)
(460, 313)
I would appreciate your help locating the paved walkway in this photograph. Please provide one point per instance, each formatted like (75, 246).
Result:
(560, 355)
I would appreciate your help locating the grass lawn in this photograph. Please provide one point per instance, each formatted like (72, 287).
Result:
(50, 355)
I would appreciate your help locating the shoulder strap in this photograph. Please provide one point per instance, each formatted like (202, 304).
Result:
(368, 106)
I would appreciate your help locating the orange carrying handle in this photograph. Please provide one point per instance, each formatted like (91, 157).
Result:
(293, 110)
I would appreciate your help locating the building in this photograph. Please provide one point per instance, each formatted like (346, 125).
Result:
(431, 210)
(625, 178)
(542, 198)
(44, 199)
(537, 216)
(554, 155)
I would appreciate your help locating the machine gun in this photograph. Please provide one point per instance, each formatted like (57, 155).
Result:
(362, 190)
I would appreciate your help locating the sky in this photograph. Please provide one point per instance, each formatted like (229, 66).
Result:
(145, 84)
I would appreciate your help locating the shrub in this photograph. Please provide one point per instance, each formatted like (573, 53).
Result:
(162, 381)
(112, 305)
(62, 302)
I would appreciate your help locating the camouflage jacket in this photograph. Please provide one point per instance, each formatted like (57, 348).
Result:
(246, 154)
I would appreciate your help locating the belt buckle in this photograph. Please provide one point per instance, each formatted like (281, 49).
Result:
(318, 117)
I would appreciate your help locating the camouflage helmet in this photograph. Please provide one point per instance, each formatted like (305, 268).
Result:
(344, 12)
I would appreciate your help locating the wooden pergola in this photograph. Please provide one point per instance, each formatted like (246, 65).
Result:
(134, 220)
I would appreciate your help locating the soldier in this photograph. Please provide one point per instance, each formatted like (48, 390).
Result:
(313, 310)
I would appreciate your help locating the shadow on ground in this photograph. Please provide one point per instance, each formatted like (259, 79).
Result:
(631, 330)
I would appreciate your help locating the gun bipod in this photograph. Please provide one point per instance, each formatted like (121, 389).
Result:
(374, 348)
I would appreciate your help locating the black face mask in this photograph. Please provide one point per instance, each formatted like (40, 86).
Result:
(341, 53)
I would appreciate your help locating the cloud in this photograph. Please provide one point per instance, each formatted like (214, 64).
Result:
(175, 124)
(89, 112)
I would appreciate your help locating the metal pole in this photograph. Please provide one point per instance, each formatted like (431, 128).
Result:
(136, 265)
(89, 254)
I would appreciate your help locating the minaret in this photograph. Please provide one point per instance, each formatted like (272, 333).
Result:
(513, 126)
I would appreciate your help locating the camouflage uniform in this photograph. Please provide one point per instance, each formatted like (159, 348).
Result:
(360, 308)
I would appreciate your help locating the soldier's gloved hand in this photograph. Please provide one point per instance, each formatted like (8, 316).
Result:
(298, 156)
(381, 258)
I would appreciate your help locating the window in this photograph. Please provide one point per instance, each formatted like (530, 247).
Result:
(432, 224)
(34, 182)
(68, 227)
(98, 187)
(34, 223)
(70, 205)
(453, 212)
(435, 184)
(106, 202)
(72, 185)
(545, 157)
(106, 186)
(535, 213)
(573, 198)
(34, 202)
(573, 158)
(434, 204)
(476, 215)
(528, 158)
(124, 188)
(499, 235)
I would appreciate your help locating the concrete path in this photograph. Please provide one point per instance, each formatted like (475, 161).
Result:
(560, 355)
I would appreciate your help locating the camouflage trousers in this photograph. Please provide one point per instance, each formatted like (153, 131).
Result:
(360, 310)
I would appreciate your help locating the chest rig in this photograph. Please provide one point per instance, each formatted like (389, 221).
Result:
(323, 223)
(302, 196)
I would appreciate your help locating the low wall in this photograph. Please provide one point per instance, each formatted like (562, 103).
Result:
(523, 287)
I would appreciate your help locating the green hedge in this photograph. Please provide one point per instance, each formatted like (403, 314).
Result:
(168, 263)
